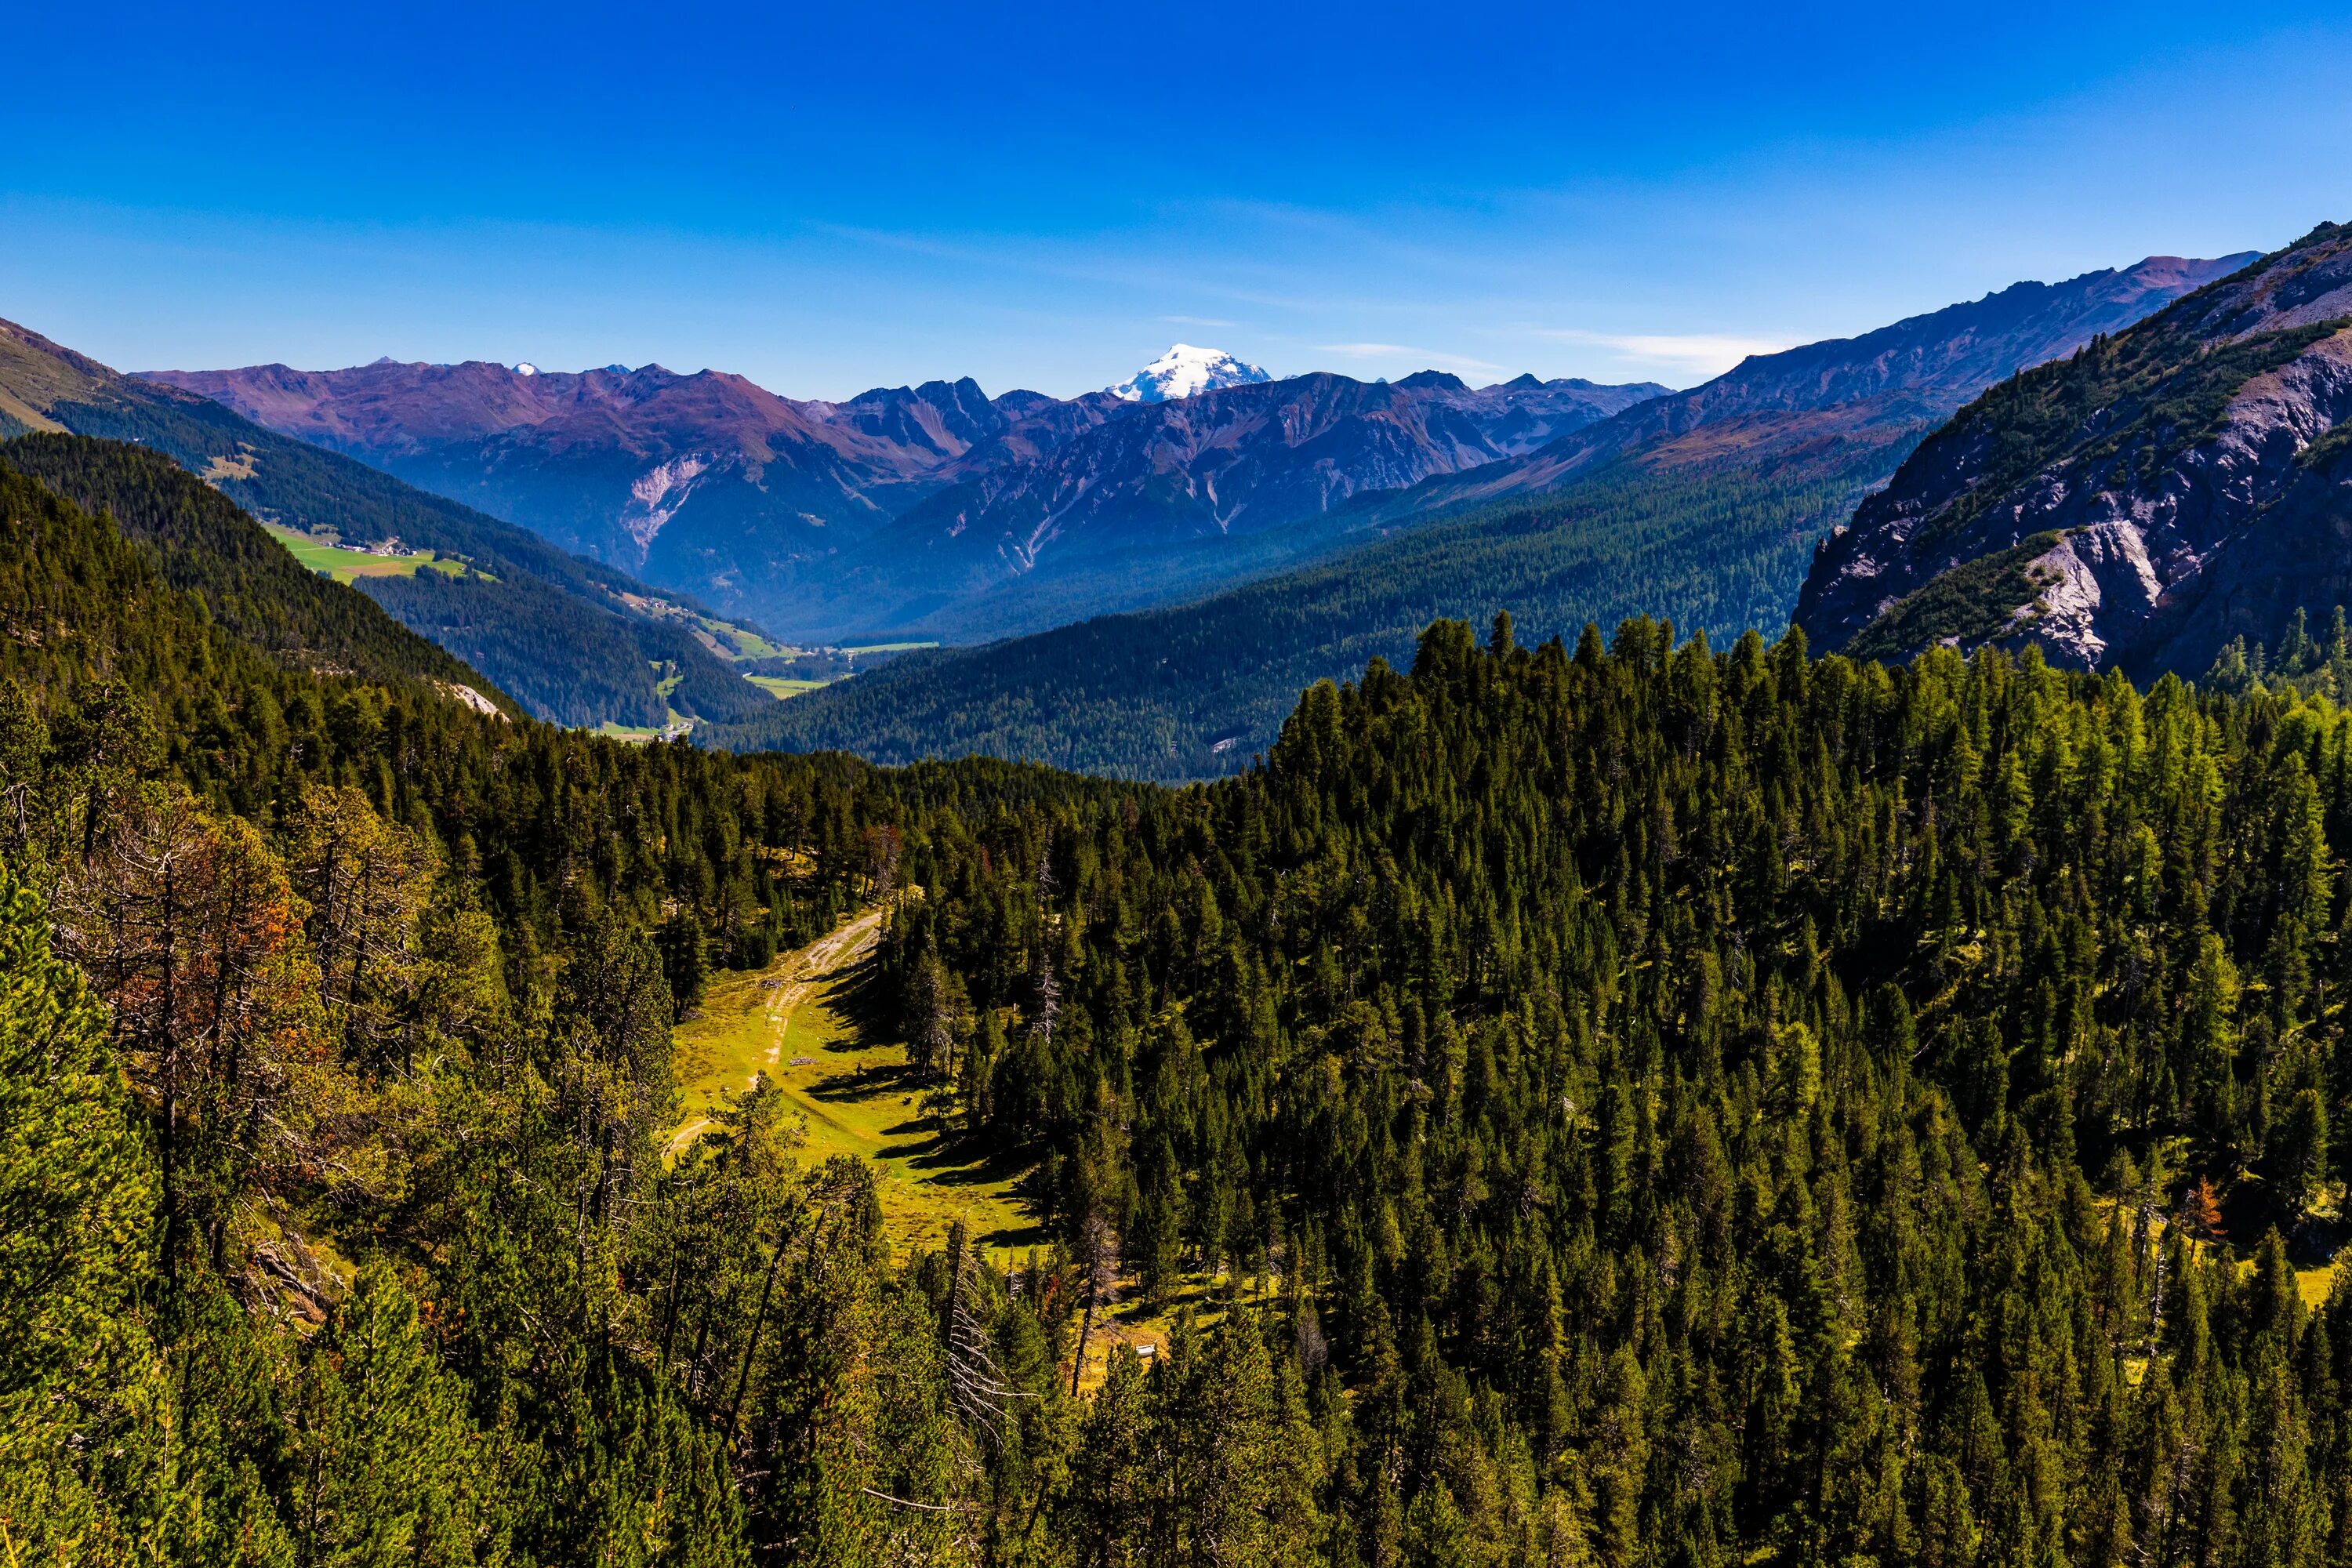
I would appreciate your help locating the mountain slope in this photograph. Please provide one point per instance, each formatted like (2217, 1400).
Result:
(2135, 506)
(250, 586)
(705, 483)
(141, 632)
(1700, 507)
(570, 639)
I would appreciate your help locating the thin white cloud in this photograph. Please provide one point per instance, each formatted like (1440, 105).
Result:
(1425, 357)
(1703, 353)
(1200, 321)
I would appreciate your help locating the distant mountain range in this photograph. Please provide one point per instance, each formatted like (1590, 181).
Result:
(1922, 368)
(573, 640)
(1182, 495)
(2135, 506)
(932, 510)
(1702, 506)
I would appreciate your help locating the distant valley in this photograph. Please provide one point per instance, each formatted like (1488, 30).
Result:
(1703, 507)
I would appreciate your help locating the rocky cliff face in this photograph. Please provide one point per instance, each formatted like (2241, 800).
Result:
(2133, 506)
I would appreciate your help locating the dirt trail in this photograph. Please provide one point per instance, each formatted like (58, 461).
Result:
(793, 980)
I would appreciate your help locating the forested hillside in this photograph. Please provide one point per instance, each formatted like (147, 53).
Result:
(1722, 1108)
(249, 584)
(565, 636)
(333, 1095)
(1634, 1106)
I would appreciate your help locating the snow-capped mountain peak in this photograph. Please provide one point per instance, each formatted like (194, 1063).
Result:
(526, 368)
(1183, 371)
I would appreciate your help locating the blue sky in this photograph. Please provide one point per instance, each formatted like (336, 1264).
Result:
(831, 198)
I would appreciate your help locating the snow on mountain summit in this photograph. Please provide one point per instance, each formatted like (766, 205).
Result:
(1185, 370)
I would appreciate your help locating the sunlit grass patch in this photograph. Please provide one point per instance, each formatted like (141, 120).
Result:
(793, 1021)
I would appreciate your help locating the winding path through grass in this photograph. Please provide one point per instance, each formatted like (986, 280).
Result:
(796, 1021)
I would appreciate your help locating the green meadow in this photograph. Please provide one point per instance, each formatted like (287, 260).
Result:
(343, 565)
(781, 687)
(798, 1021)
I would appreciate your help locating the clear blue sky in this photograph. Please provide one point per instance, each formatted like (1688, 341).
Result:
(830, 199)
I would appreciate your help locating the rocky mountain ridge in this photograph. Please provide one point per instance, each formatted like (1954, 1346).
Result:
(1082, 527)
(1881, 384)
(604, 460)
(2135, 506)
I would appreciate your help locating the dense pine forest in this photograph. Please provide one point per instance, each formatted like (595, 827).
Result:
(1628, 1104)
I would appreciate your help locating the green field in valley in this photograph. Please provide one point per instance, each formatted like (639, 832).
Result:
(781, 687)
(793, 1021)
(343, 565)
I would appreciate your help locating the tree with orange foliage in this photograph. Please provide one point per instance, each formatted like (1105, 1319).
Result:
(187, 926)
(2200, 1212)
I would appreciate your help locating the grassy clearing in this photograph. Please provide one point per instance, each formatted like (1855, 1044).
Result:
(344, 565)
(635, 733)
(724, 638)
(1144, 1327)
(804, 1022)
(744, 643)
(887, 646)
(799, 1021)
(2316, 1284)
(781, 687)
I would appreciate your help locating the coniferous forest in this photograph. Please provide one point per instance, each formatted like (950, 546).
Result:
(1638, 1103)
